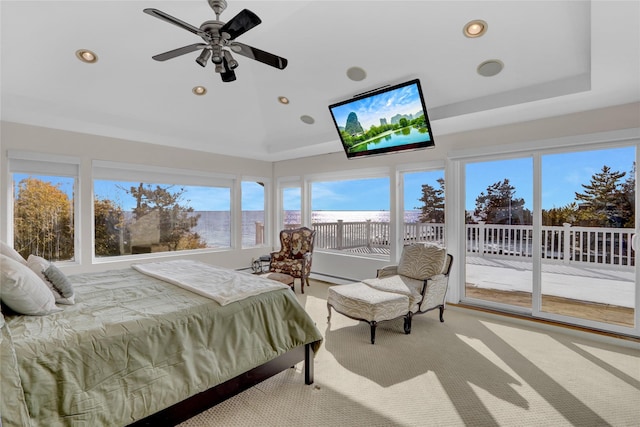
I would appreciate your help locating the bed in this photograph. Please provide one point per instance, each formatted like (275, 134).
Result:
(135, 349)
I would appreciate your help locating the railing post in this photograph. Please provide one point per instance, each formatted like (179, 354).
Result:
(566, 236)
(339, 234)
(368, 233)
(481, 229)
(259, 233)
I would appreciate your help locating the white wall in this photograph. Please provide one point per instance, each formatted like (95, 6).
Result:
(89, 147)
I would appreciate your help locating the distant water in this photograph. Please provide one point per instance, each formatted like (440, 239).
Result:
(214, 226)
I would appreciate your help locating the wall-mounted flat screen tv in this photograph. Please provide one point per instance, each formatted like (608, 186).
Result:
(385, 120)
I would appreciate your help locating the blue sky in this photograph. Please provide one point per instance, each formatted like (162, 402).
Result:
(404, 100)
(199, 198)
(562, 176)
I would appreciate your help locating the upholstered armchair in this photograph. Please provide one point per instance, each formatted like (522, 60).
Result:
(295, 255)
(418, 284)
(422, 274)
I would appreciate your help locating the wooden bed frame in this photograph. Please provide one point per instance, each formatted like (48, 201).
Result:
(200, 402)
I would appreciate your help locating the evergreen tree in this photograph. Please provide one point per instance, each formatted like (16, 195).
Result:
(602, 199)
(500, 206)
(175, 219)
(559, 216)
(628, 199)
(432, 209)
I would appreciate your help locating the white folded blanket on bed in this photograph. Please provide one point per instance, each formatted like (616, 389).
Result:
(220, 284)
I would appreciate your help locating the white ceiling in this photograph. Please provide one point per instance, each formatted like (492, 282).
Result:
(560, 57)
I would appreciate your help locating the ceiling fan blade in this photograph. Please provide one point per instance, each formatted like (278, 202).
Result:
(259, 55)
(228, 75)
(240, 24)
(179, 51)
(175, 21)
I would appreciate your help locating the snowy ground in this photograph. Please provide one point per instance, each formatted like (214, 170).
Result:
(608, 286)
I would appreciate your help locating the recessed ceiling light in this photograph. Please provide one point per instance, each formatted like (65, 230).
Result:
(475, 28)
(490, 68)
(307, 119)
(356, 74)
(199, 90)
(283, 100)
(85, 55)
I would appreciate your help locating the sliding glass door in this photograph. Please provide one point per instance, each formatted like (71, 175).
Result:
(552, 235)
(588, 220)
(499, 231)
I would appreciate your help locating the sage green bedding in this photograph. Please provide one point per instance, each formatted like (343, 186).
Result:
(133, 345)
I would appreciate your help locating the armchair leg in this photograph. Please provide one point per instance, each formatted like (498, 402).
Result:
(441, 313)
(407, 323)
(329, 310)
(373, 331)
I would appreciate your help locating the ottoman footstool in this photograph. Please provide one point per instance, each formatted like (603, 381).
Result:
(361, 302)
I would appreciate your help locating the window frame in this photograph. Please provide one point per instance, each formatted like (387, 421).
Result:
(39, 164)
(350, 175)
(267, 210)
(119, 171)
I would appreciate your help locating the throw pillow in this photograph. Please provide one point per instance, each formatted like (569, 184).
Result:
(421, 261)
(39, 265)
(60, 282)
(7, 250)
(22, 290)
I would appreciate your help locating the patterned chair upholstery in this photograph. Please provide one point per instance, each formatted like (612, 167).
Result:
(295, 255)
(416, 285)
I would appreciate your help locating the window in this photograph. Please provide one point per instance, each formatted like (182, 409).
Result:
(291, 215)
(44, 206)
(253, 214)
(424, 206)
(162, 211)
(588, 223)
(352, 215)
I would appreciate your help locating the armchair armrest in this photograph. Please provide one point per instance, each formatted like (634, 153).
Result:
(386, 271)
(277, 256)
(434, 292)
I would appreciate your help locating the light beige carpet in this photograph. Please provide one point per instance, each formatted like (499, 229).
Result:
(471, 370)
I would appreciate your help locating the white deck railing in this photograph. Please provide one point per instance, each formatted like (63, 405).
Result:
(565, 244)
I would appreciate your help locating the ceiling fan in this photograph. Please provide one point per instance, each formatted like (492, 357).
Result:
(219, 41)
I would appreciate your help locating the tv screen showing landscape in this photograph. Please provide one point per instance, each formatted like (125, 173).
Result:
(387, 120)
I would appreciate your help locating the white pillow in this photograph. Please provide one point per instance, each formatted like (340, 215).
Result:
(22, 290)
(39, 265)
(7, 250)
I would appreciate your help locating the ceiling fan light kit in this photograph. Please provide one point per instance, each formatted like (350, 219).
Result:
(219, 40)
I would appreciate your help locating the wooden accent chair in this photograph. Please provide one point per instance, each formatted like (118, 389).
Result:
(295, 255)
(418, 284)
